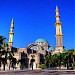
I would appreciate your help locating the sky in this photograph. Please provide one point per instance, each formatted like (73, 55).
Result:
(35, 19)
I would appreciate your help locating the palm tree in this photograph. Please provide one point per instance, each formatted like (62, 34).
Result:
(14, 61)
(48, 60)
(72, 54)
(22, 63)
(5, 53)
(2, 39)
(10, 58)
(68, 57)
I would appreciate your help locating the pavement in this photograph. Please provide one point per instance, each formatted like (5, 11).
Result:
(38, 72)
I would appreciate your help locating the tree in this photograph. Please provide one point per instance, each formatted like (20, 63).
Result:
(5, 53)
(71, 56)
(68, 58)
(2, 51)
(48, 60)
(11, 59)
(22, 62)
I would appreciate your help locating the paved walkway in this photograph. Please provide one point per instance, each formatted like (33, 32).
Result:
(38, 72)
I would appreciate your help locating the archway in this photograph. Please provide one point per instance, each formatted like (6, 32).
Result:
(32, 64)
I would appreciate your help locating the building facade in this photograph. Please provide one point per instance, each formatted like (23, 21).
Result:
(33, 55)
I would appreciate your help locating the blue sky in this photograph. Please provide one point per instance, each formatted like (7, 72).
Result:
(35, 19)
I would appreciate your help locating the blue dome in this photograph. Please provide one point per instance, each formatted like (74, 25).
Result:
(51, 48)
(41, 41)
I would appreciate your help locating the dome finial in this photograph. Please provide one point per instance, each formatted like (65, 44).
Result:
(56, 7)
(12, 20)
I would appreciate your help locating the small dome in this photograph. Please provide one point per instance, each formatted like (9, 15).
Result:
(51, 48)
(41, 41)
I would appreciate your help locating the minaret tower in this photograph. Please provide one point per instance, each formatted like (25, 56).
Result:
(11, 33)
(59, 35)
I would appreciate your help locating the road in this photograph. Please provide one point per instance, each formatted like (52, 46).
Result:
(38, 72)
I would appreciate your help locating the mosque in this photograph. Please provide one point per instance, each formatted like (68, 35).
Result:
(36, 52)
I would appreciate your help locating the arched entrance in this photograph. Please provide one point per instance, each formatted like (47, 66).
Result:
(32, 64)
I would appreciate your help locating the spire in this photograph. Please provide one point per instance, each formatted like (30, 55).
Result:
(57, 10)
(12, 20)
(57, 15)
(59, 35)
(58, 23)
(12, 23)
(11, 33)
(56, 7)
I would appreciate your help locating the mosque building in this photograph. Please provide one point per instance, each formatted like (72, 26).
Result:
(36, 52)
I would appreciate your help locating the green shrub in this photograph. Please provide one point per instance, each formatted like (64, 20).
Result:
(42, 66)
(74, 64)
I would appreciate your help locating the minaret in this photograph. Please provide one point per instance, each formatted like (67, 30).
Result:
(59, 35)
(11, 33)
